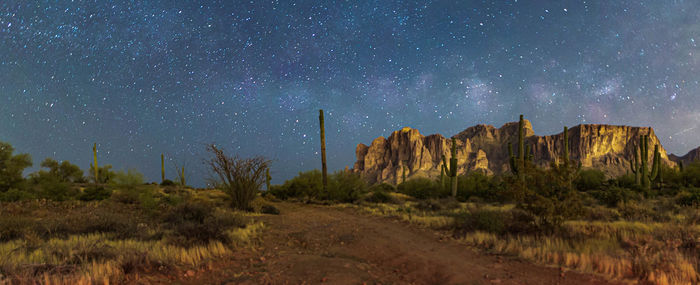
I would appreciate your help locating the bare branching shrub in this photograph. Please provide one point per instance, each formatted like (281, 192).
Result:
(240, 178)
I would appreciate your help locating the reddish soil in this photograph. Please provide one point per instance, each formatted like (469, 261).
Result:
(309, 244)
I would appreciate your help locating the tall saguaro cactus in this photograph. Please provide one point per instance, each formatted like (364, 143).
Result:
(162, 168)
(95, 167)
(566, 146)
(267, 178)
(452, 169)
(640, 165)
(324, 169)
(517, 164)
(182, 177)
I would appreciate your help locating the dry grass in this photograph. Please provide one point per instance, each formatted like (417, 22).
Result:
(623, 250)
(97, 258)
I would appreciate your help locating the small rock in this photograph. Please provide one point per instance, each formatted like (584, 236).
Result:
(189, 273)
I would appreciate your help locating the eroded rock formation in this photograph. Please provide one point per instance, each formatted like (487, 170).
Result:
(484, 148)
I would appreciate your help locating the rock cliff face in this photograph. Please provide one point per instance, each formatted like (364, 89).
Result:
(484, 148)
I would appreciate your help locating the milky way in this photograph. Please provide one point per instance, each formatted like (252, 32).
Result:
(142, 79)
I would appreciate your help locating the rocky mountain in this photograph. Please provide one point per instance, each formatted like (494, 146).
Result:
(484, 148)
(691, 156)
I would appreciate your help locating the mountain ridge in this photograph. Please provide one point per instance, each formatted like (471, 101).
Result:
(483, 148)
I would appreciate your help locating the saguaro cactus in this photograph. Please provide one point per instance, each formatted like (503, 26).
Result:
(182, 177)
(640, 165)
(452, 169)
(442, 173)
(517, 164)
(162, 168)
(267, 178)
(95, 167)
(566, 146)
(324, 169)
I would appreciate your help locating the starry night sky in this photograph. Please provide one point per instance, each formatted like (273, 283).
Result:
(142, 78)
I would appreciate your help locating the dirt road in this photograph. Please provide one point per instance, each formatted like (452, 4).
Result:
(310, 244)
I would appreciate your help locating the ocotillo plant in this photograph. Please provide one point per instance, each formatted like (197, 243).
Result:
(96, 168)
(162, 168)
(640, 168)
(517, 165)
(452, 169)
(324, 169)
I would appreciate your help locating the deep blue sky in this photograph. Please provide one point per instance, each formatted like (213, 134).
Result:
(142, 79)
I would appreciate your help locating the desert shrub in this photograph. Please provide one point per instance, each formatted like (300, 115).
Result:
(384, 187)
(167, 182)
(14, 227)
(65, 171)
(691, 174)
(625, 181)
(198, 223)
(11, 167)
(306, 184)
(639, 211)
(436, 205)
(95, 193)
(50, 187)
(513, 222)
(480, 220)
(14, 195)
(269, 209)
(105, 173)
(379, 196)
(128, 179)
(547, 194)
(589, 179)
(689, 197)
(421, 188)
(476, 184)
(601, 213)
(345, 187)
(614, 195)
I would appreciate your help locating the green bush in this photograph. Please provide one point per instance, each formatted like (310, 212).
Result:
(95, 193)
(198, 223)
(167, 182)
(269, 209)
(65, 171)
(11, 167)
(379, 196)
(305, 185)
(689, 197)
(129, 179)
(614, 195)
(589, 179)
(476, 184)
(421, 188)
(345, 187)
(14, 195)
(383, 187)
(48, 186)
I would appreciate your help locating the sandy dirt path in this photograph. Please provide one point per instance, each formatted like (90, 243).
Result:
(310, 244)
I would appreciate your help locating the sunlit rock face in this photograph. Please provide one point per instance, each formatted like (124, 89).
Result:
(484, 148)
